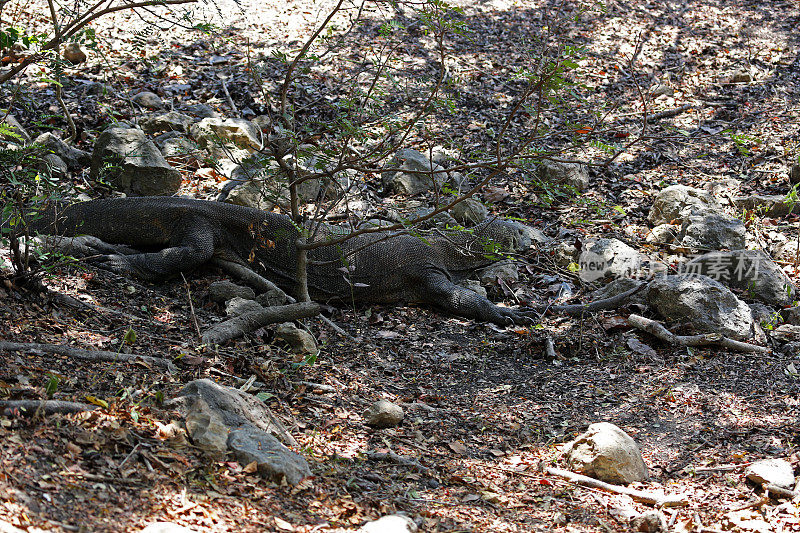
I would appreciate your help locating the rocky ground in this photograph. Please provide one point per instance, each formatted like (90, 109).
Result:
(486, 409)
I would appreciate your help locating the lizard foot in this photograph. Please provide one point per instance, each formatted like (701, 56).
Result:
(506, 317)
(119, 264)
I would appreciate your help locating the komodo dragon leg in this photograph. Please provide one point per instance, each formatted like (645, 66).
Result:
(436, 288)
(192, 251)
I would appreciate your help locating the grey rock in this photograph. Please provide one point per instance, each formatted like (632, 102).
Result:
(238, 132)
(564, 254)
(238, 306)
(791, 315)
(608, 257)
(574, 175)
(740, 76)
(138, 168)
(752, 271)
(416, 174)
(178, 147)
(206, 428)
(73, 53)
(393, 523)
(96, 88)
(300, 341)
(764, 315)
(712, 231)
(21, 135)
(508, 272)
(650, 522)
(251, 194)
(786, 333)
(440, 220)
(252, 185)
(201, 111)
(775, 471)
(470, 212)
(222, 291)
(74, 158)
(166, 527)
(774, 206)
(607, 453)
(170, 121)
(663, 233)
(703, 302)
(148, 99)
(671, 202)
(383, 414)
(237, 409)
(275, 461)
(53, 166)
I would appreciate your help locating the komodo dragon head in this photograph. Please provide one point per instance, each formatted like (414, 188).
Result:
(488, 239)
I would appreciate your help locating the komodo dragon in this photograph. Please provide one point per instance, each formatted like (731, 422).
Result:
(162, 236)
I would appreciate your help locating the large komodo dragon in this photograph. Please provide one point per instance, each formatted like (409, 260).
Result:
(162, 236)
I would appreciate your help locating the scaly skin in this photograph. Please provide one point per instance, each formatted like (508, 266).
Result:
(162, 236)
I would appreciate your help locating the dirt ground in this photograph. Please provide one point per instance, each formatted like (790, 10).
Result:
(485, 409)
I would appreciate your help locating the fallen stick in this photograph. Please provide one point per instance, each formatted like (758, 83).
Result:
(252, 320)
(657, 330)
(48, 407)
(649, 498)
(85, 355)
(392, 457)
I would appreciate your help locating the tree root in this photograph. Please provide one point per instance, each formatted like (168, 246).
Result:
(86, 355)
(262, 284)
(392, 457)
(657, 330)
(649, 498)
(250, 321)
(48, 407)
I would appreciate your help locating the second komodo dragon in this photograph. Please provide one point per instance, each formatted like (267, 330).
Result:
(162, 236)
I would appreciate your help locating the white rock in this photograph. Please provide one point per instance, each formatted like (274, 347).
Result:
(607, 453)
(775, 471)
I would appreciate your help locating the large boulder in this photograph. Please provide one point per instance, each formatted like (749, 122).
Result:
(148, 99)
(130, 162)
(712, 231)
(470, 212)
(573, 175)
(273, 460)
(74, 158)
(703, 302)
(18, 133)
(752, 271)
(607, 453)
(170, 121)
(236, 408)
(671, 203)
(608, 257)
(221, 134)
(414, 174)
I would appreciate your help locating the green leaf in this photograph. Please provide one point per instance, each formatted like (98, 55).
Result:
(52, 385)
(130, 336)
